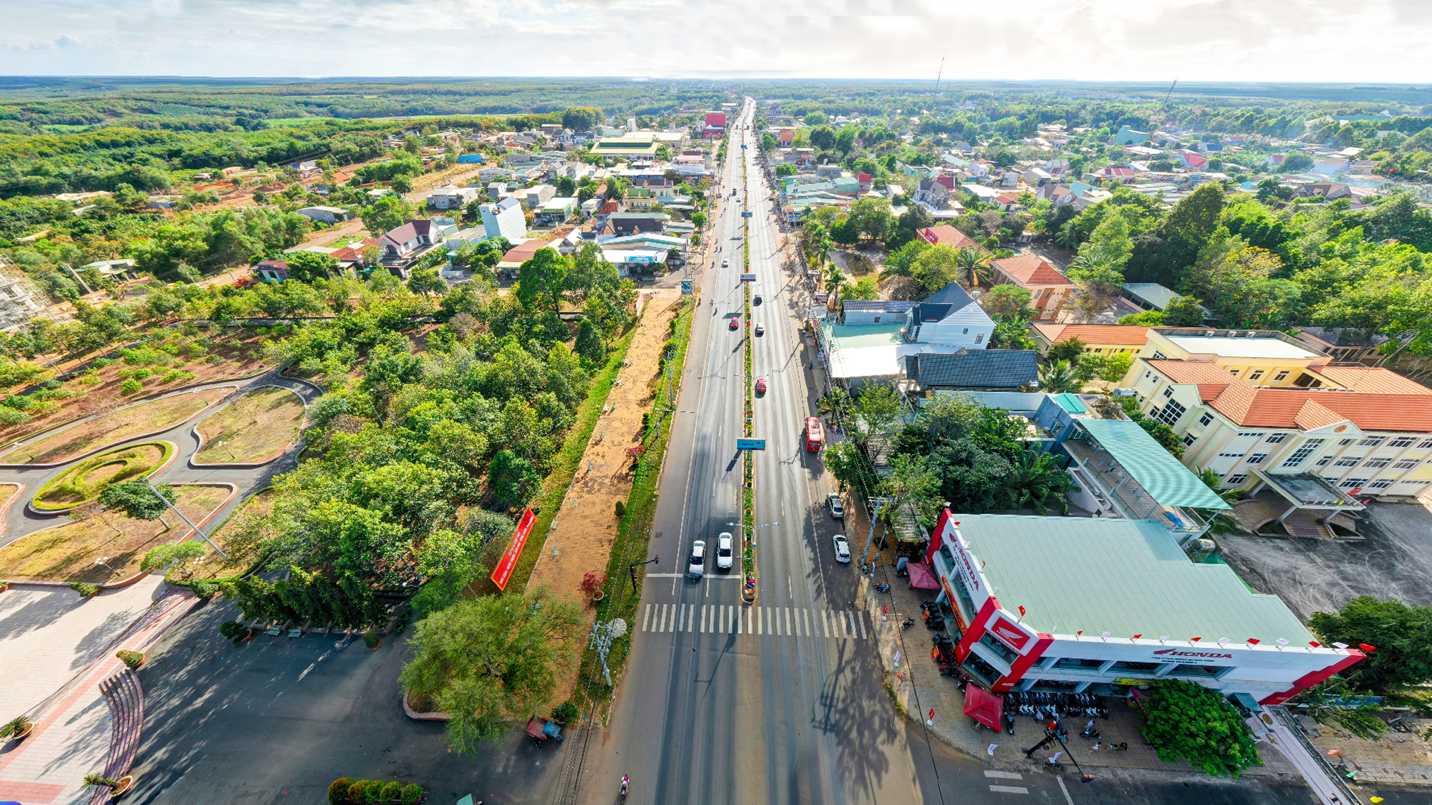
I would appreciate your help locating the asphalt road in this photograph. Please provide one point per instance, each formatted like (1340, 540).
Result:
(780, 701)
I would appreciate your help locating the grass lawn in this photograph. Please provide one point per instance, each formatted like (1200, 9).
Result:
(86, 480)
(116, 426)
(68, 552)
(256, 427)
(239, 536)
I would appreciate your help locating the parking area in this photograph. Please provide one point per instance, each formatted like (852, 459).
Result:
(1394, 561)
(278, 719)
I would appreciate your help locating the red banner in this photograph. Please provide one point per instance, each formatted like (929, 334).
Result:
(503, 573)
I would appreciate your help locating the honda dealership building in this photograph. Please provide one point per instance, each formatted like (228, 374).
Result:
(1100, 606)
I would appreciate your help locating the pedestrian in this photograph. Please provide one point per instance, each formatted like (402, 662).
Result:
(1099, 745)
(990, 750)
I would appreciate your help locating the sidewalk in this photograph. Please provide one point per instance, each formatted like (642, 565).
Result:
(73, 722)
(924, 689)
(1399, 758)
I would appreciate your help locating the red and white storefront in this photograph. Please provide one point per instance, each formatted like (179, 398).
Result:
(1003, 654)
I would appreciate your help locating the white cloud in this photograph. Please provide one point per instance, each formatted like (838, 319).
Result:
(1193, 40)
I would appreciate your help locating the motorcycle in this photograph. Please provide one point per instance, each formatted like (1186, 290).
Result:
(625, 783)
(907, 623)
(882, 587)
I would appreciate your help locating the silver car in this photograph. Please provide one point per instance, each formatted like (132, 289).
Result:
(833, 502)
(698, 559)
(842, 549)
(724, 555)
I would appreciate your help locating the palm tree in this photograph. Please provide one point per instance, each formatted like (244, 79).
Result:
(835, 403)
(834, 281)
(972, 264)
(1036, 476)
(1059, 379)
(1068, 236)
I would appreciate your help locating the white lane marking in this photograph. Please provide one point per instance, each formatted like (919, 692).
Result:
(860, 619)
(661, 618)
(1067, 798)
(690, 618)
(680, 614)
(703, 618)
(1003, 775)
(1009, 789)
(788, 620)
(806, 615)
(759, 620)
(849, 623)
(646, 617)
(824, 624)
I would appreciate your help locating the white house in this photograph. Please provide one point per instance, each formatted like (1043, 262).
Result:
(505, 219)
(325, 215)
(950, 317)
(451, 197)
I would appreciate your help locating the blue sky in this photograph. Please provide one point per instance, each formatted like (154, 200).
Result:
(1210, 40)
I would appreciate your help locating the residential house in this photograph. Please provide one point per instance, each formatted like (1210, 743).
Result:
(271, 271)
(879, 311)
(1119, 173)
(534, 197)
(1152, 296)
(451, 197)
(1331, 166)
(1100, 339)
(1193, 160)
(1262, 357)
(970, 370)
(946, 235)
(555, 211)
(1056, 194)
(1343, 344)
(402, 245)
(1128, 136)
(630, 223)
(1328, 190)
(935, 193)
(1059, 166)
(1008, 202)
(325, 215)
(1047, 285)
(1037, 177)
(504, 219)
(520, 159)
(949, 317)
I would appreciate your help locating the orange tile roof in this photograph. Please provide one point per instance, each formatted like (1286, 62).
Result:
(1031, 269)
(1210, 379)
(1371, 379)
(1097, 334)
(946, 235)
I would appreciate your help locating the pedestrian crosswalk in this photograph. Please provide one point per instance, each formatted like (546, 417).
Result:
(755, 621)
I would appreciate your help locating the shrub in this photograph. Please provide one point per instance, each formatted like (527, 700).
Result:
(84, 588)
(359, 791)
(371, 639)
(621, 509)
(374, 791)
(100, 363)
(235, 631)
(338, 789)
(592, 582)
(214, 359)
(204, 589)
(565, 713)
(412, 792)
(15, 726)
(130, 386)
(9, 417)
(391, 791)
(133, 659)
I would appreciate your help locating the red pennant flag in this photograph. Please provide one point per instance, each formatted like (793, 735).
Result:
(1021, 612)
(1315, 644)
(1253, 640)
(1366, 647)
(1137, 636)
(1080, 632)
(1194, 639)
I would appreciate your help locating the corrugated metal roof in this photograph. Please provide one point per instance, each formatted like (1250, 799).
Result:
(889, 305)
(1125, 577)
(980, 368)
(1166, 480)
(1071, 403)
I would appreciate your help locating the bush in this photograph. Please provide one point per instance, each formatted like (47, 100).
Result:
(565, 713)
(621, 509)
(9, 417)
(100, 363)
(235, 631)
(371, 639)
(391, 791)
(412, 792)
(130, 386)
(1187, 721)
(204, 589)
(84, 588)
(133, 659)
(358, 792)
(338, 789)
(374, 791)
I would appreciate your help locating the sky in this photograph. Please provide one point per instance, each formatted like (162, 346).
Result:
(1386, 41)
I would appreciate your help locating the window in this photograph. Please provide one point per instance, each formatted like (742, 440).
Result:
(1345, 442)
(1377, 463)
(1281, 376)
(1257, 458)
(1401, 441)
(1405, 464)
(1277, 438)
(1074, 663)
(966, 331)
(1171, 413)
(1158, 356)
(1189, 439)
(877, 319)
(1134, 667)
(1236, 478)
(1323, 462)
(1416, 483)
(1347, 461)
(1231, 455)
(1205, 420)
(1371, 441)
(1256, 434)
(1353, 483)
(1425, 445)
(1382, 484)
(1147, 375)
(1168, 392)
(1258, 375)
(979, 338)
(1301, 454)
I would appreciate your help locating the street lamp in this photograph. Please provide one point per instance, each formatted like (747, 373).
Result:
(193, 527)
(631, 568)
(752, 528)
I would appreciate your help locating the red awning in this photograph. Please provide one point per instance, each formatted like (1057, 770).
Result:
(984, 707)
(922, 576)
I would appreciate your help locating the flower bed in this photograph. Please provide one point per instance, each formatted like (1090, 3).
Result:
(85, 481)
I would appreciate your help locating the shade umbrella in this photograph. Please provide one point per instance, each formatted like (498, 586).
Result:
(922, 576)
(984, 707)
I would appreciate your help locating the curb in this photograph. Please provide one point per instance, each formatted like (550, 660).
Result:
(171, 451)
(283, 451)
(416, 716)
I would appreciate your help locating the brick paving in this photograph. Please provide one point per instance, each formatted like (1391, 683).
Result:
(1399, 758)
(66, 646)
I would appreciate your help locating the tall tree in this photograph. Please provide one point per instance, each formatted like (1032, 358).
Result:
(1008, 301)
(542, 278)
(972, 265)
(1401, 635)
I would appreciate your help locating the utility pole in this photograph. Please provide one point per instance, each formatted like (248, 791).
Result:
(602, 637)
(938, 76)
(150, 484)
(874, 518)
(1170, 93)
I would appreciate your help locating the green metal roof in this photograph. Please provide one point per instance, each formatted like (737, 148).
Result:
(1166, 480)
(1071, 403)
(1135, 580)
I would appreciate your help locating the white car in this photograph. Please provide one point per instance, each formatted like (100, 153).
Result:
(725, 263)
(760, 329)
(842, 549)
(723, 550)
(836, 510)
(698, 559)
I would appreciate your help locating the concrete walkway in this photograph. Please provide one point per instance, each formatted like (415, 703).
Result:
(19, 520)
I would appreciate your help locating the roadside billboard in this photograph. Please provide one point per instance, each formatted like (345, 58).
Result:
(508, 563)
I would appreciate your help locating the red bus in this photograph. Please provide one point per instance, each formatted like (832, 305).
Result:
(814, 434)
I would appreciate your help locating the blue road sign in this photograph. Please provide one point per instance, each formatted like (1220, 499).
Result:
(750, 444)
(686, 287)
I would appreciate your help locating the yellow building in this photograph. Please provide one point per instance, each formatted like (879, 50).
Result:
(1100, 339)
(1261, 357)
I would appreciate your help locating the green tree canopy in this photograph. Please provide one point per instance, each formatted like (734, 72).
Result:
(1401, 635)
(1187, 721)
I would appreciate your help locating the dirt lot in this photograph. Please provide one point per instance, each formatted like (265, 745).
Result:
(69, 552)
(583, 532)
(116, 426)
(254, 428)
(1395, 561)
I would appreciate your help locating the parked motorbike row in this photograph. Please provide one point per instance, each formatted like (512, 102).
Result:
(1044, 706)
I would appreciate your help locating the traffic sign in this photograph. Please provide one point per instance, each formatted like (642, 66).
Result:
(748, 277)
(686, 287)
(750, 444)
